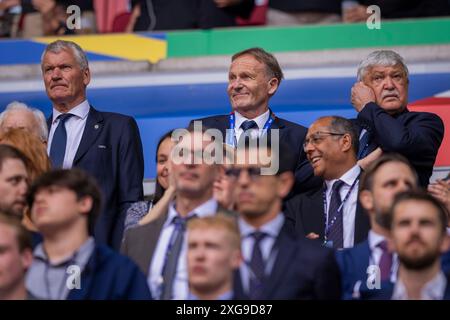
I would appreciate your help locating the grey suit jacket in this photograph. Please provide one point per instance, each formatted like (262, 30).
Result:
(139, 243)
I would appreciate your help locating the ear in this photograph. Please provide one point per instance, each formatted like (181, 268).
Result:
(236, 259)
(445, 245)
(366, 199)
(285, 183)
(346, 142)
(86, 76)
(391, 244)
(85, 204)
(273, 86)
(27, 258)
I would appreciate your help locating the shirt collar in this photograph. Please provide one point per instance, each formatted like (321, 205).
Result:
(82, 254)
(375, 239)
(81, 111)
(206, 209)
(271, 228)
(432, 290)
(260, 120)
(348, 177)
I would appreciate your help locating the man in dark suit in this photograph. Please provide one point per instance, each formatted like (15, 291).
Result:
(384, 178)
(418, 235)
(106, 145)
(158, 247)
(385, 124)
(277, 263)
(332, 213)
(253, 78)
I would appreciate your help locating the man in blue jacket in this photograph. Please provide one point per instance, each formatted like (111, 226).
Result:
(68, 264)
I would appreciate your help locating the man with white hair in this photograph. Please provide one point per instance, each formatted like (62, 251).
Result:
(385, 124)
(19, 115)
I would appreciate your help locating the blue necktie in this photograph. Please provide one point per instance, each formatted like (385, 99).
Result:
(336, 231)
(363, 150)
(246, 126)
(59, 141)
(172, 256)
(257, 267)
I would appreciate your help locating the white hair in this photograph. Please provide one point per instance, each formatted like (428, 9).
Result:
(59, 45)
(38, 115)
(385, 58)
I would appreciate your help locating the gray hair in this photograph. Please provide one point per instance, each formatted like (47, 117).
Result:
(385, 58)
(60, 45)
(38, 115)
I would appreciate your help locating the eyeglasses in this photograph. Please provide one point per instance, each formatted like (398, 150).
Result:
(318, 136)
(253, 172)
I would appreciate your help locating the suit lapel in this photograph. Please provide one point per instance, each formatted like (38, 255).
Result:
(94, 125)
(314, 220)
(149, 240)
(362, 224)
(285, 251)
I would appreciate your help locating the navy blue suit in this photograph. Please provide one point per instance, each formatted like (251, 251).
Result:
(415, 135)
(302, 270)
(110, 276)
(292, 135)
(306, 213)
(111, 151)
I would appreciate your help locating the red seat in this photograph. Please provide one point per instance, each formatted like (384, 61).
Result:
(120, 22)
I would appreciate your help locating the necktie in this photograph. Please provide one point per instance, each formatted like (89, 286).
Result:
(58, 147)
(385, 261)
(257, 267)
(245, 136)
(363, 150)
(335, 220)
(172, 256)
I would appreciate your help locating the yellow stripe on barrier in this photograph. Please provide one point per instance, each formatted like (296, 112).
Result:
(125, 46)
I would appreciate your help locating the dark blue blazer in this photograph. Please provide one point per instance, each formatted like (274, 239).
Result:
(415, 135)
(302, 270)
(111, 151)
(353, 263)
(305, 212)
(292, 135)
(109, 275)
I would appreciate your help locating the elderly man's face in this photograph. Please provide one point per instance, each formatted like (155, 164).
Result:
(65, 82)
(390, 86)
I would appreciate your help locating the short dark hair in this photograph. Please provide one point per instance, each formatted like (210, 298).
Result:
(23, 236)
(341, 125)
(10, 152)
(423, 196)
(368, 175)
(75, 180)
(273, 68)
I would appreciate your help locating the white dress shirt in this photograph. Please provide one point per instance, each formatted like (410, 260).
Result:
(432, 290)
(349, 207)
(74, 128)
(180, 283)
(272, 229)
(260, 121)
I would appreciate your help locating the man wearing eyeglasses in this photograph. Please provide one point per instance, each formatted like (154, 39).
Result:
(331, 214)
(278, 264)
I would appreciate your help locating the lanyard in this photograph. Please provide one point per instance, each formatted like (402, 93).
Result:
(328, 225)
(231, 139)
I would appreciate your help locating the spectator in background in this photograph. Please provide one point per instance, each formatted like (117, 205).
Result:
(19, 115)
(384, 178)
(141, 212)
(187, 14)
(396, 9)
(380, 96)
(213, 255)
(440, 189)
(295, 12)
(418, 236)
(64, 205)
(15, 258)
